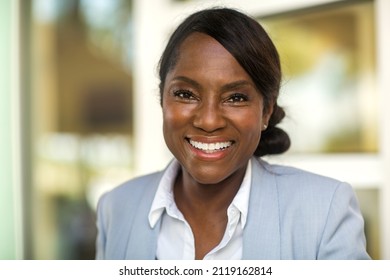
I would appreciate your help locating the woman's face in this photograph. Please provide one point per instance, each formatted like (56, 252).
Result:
(212, 112)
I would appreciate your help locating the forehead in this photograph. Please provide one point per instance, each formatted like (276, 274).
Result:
(199, 39)
(199, 44)
(200, 53)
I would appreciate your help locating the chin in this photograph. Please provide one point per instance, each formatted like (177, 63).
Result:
(208, 177)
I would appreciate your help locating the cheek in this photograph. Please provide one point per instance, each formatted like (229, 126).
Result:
(175, 125)
(249, 126)
(174, 119)
(169, 123)
(249, 123)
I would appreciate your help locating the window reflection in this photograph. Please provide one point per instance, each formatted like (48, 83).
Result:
(329, 89)
(369, 205)
(83, 118)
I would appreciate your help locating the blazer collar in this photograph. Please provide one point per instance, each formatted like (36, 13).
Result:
(261, 238)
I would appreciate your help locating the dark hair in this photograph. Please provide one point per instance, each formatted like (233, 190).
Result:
(251, 46)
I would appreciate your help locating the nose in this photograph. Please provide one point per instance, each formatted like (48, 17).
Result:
(209, 117)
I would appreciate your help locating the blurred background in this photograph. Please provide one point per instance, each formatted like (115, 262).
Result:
(79, 107)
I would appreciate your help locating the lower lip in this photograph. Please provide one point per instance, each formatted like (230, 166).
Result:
(210, 156)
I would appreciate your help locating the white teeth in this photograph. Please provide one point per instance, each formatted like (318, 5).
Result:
(211, 147)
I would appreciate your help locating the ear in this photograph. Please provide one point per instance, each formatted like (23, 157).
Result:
(267, 113)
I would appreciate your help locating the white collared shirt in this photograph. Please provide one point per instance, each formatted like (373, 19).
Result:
(176, 240)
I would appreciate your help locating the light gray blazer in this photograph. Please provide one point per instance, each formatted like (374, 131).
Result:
(293, 214)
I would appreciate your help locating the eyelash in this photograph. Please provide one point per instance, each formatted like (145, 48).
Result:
(184, 94)
(242, 98)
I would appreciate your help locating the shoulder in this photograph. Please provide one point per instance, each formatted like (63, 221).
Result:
(309, 198)
(131, 191)
(137, 184)
(299, 188)
(318, 214)
(288, 177)
(122, 209)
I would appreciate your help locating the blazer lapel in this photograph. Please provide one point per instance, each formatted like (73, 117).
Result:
(142, 242)
(262, 231)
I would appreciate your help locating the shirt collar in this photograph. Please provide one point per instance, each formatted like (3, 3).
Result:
(164, 195)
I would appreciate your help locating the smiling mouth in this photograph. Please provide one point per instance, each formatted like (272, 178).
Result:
(210, 147)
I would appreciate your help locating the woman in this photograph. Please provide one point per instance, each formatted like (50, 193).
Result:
(219, 82)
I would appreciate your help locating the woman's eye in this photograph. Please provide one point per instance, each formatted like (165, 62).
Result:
(237, 98)
(184, 94)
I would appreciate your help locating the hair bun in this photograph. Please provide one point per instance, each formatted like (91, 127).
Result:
(274, 140)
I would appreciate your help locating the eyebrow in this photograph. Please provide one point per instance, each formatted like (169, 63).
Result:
(187, 80)
(236, 84)
(227, 87)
